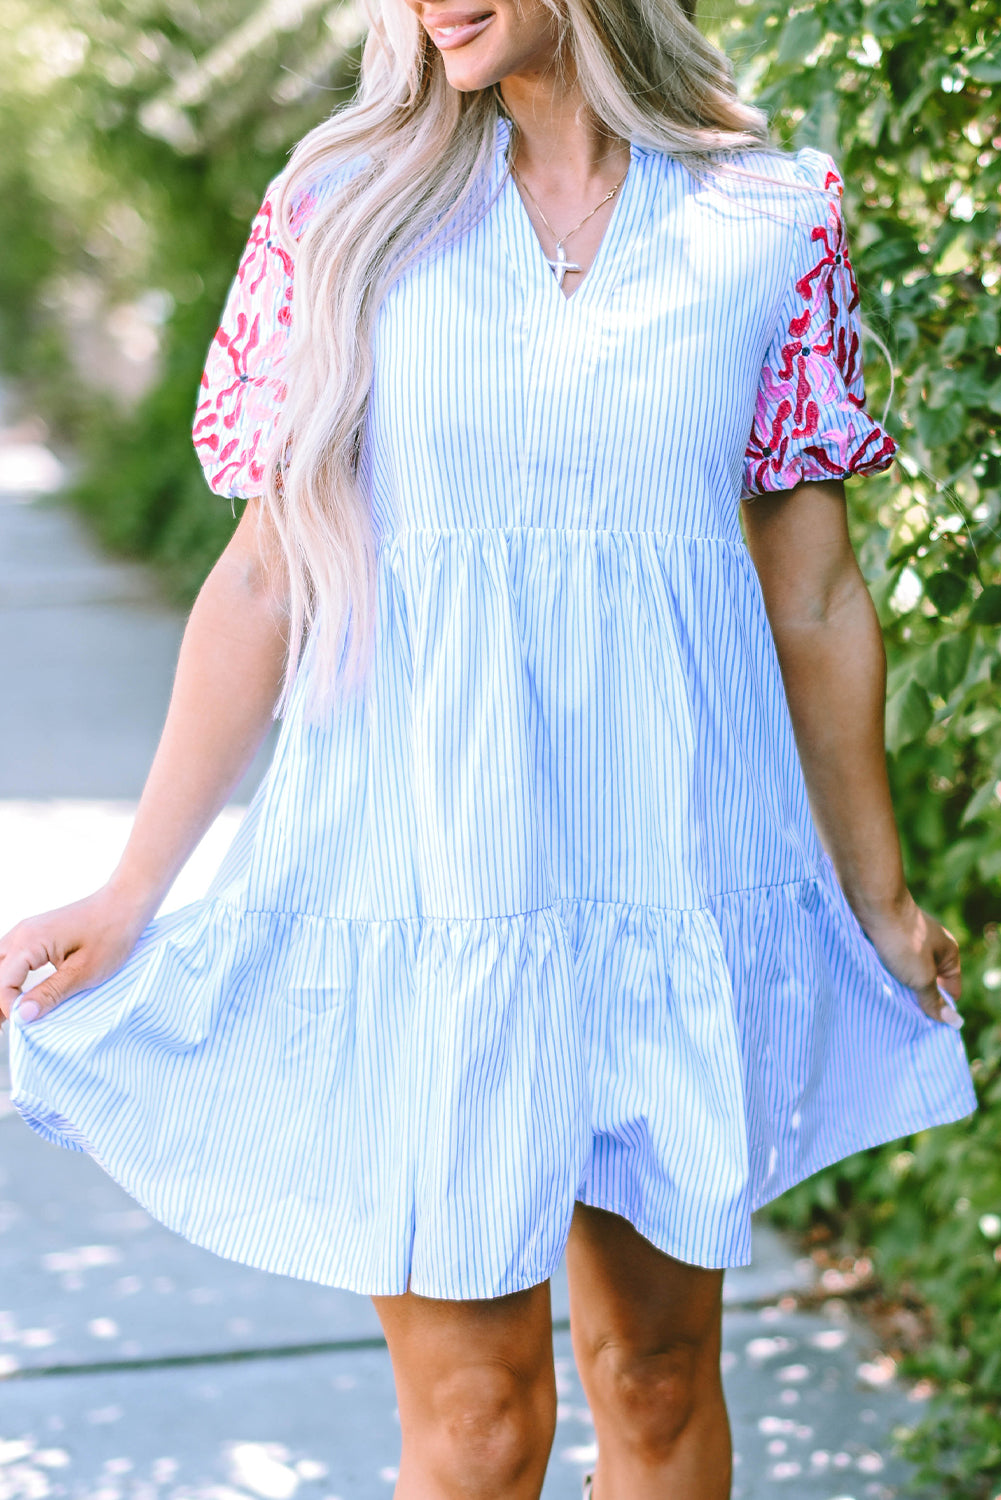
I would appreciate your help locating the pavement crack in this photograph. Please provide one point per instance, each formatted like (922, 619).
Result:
(211, 1357)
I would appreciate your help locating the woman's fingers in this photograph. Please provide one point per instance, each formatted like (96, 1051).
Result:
(48, 993)
(18, 958)
(941, 993)
(923, 955)
(937, 1002)
(29, 947)
(945, 991)
(85, 943)
(947, 961)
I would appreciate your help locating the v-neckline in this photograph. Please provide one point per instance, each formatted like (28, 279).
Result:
(602, 269)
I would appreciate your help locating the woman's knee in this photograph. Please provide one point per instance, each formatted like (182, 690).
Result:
(649, 1396)
(647, 1333)
(490, 1424)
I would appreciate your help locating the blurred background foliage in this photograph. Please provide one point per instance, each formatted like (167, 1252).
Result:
(904, 95)
(139, 138)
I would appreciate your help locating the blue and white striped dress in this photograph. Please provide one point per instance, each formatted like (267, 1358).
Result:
(540, 915)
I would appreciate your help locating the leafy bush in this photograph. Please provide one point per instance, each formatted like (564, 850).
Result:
(141, 485)
(141, 137)
(901, 93)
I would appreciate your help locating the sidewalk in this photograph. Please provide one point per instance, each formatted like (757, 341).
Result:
(136, 1367)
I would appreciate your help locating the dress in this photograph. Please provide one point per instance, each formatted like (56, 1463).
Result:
(541, 915)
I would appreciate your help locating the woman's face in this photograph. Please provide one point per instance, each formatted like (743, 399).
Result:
(481, 43)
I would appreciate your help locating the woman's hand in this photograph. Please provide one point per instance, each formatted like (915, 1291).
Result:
(830, 650)
(228, 675)
(86, 942)
(918, 951)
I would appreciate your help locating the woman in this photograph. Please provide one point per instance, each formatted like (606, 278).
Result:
(528, 942)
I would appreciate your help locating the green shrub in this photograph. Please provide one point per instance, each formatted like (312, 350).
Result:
(142, 487)
(901, 92)
(95, 191)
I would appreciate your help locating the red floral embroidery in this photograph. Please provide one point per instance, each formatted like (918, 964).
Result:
(810, 420)
(241, 387)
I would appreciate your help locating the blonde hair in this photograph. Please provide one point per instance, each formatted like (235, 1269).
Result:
(422, 150)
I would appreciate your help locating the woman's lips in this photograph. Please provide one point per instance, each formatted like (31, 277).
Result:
(447, 37)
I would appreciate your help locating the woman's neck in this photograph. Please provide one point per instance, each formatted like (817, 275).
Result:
(558, 138)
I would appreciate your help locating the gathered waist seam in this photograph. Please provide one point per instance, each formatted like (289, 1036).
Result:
(735, 543)
(528, 911)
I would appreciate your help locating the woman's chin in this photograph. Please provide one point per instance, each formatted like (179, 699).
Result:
(469, 76)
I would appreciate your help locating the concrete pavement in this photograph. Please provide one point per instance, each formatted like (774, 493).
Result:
(134, 1366)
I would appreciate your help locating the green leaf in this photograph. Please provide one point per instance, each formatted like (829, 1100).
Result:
(985, 68)
(954, 341)
(987, 609)
(892, 16)
(906, 333)
(943, 389)
(908, 715)
(980, 802)
(989, 864)
(946, 590)
(952, 657)
(939, 426)
(984, 325)
(960, 859)
(800, 35)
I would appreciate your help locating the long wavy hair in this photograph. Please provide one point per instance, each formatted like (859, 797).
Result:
(422, 149)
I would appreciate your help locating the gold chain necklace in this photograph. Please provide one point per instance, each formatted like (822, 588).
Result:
(559, 263)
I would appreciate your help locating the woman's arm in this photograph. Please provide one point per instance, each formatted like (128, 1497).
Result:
(228, 676)
(830, 649)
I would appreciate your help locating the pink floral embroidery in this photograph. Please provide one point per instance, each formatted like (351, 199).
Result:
(241, 387)
(810, 420)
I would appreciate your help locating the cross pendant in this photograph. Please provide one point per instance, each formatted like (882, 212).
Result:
(560, 265)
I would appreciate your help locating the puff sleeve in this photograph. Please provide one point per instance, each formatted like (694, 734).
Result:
(241, 387)
(810, 420)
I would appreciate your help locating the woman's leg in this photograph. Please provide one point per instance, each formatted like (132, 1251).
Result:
(477, 1394)
(646, 1337)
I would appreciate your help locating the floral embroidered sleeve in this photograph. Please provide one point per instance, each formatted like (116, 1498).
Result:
(243, 384)
(241, 387)
(810, 420)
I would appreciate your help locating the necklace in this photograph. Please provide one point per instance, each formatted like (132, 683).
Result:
(559, 263)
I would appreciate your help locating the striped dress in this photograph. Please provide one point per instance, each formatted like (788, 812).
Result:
(540, 914)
